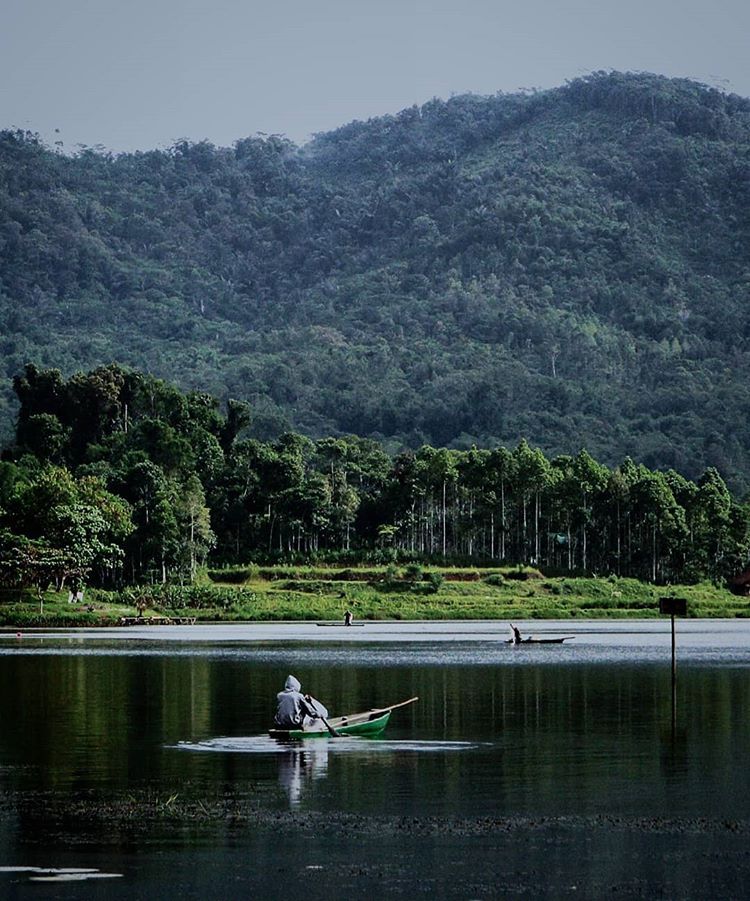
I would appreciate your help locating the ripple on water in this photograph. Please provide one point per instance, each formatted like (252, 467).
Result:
(264, 744)
(61, 874)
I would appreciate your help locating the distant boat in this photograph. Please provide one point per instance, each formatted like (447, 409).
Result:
(345, 625)
(369, 723)
(539, 640)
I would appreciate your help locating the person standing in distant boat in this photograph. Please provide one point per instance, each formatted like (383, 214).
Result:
(348, 618)
(516, 634)
(295, 710)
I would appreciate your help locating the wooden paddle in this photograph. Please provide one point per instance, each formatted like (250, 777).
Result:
(320, 716)
(393, 706)
(330, 728)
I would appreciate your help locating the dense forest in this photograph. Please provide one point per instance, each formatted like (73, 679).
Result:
(115, 476)
(569, 267)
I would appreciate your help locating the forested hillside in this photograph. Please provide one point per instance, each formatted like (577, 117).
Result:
(115, 476)
(571, 267)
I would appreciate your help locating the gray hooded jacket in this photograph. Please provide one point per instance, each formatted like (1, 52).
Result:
(293, 709)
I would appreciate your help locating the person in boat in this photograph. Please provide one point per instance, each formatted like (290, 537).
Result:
(516, 634)
(348, 618)
(295, 710)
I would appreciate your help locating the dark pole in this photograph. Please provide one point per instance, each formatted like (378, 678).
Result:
(674, 680)
(673, 607)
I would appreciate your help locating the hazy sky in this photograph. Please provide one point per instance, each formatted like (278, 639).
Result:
(138, 74)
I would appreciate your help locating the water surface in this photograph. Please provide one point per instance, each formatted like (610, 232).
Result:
(548, 770)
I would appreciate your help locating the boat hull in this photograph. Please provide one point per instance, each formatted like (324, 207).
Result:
(539, 640)
(367, 724)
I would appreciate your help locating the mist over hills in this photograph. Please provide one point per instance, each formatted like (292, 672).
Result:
(571, 266)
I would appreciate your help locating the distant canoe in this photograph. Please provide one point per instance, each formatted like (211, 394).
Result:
(369, 723)
(540, 640)
(343, 625)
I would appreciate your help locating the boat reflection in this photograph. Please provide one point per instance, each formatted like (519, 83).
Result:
(303, 763)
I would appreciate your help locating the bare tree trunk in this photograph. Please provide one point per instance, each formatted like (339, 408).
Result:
(192, 547)
(444, 517)
(502, 518)
(471, 525)
(619, 548)
(585, 561)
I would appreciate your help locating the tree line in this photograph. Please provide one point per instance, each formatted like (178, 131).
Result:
(118, 477)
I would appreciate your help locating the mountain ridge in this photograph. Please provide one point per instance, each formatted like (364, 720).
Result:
(568, 266)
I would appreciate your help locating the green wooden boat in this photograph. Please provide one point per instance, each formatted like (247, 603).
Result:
(369, 724)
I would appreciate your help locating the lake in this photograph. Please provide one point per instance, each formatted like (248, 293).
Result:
(550, 770)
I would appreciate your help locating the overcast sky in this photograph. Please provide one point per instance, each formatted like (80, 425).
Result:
(139, 74)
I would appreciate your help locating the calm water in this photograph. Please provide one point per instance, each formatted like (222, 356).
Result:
(542, 771)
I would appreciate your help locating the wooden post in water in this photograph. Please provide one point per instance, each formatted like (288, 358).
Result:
(673, 607)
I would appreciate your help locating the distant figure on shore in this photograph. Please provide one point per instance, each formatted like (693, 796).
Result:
(348, 618)
(516, 634)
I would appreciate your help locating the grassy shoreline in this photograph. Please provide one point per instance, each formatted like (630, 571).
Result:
(412, 593)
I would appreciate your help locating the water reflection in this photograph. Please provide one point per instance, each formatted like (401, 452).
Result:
(302, 765)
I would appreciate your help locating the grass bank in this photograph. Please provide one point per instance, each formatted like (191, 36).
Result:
(409, 593)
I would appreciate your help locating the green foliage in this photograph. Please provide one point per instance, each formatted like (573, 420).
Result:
(182, 597)
(391, 575)
(413, 573)
(232, 575)
(495, 579)
(24, 616)
(26, 563)
(435, 580)
(62, 529)
(568, 267)
(271, 599)
(156, 492)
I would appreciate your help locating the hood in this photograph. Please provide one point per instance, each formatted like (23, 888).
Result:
(292, 684)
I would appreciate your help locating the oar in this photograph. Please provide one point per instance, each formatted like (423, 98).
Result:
(394, 706)
(330, 728)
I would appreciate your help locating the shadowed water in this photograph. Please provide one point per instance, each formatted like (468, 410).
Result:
(545, 770)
